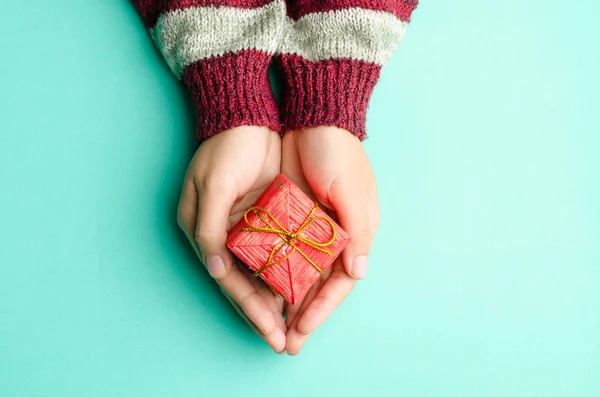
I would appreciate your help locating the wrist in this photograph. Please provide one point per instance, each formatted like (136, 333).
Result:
(327, 93)
(230, 91)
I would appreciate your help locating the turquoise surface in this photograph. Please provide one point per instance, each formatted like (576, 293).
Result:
(485, 275)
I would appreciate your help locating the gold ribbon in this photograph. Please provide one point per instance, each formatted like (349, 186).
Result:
(288, 238)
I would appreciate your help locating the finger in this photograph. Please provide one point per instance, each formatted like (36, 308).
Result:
(210, 239)
(187, 215)
(352, 210)
(275, 303)
(296, 336)
(293, 311)
(187, 211)
(241, 312)
(216, 199)
(276, 339)
(257, 314)
(276, 306)
(295, 340)
(214, 206)
(332, 293)
(254, 313)
(240, 288)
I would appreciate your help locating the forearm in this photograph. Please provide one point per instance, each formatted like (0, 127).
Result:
(221, 50)
(332, 54)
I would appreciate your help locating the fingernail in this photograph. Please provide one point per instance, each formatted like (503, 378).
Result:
(216, 266)
(359, 266)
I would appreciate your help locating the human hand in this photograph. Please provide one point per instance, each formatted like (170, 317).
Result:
(330, 164)
(226, 176)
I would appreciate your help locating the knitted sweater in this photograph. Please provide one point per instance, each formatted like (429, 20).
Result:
(330, 51)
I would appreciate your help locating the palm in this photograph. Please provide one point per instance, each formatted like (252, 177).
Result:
(225, 177)
(307, 314)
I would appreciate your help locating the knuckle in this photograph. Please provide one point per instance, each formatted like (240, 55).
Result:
(186, 208)
(250, 300)
(180, 217)
(204, 236)
(232, 271)
(338, 275)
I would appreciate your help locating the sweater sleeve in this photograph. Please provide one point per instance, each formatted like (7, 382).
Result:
(221, 50)
(331, 55)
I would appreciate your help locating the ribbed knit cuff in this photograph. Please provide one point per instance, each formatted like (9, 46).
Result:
(230, 91)
(333, 92)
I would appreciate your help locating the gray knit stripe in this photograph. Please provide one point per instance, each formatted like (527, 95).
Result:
(195, 33)
(188, 35)
(355, 33)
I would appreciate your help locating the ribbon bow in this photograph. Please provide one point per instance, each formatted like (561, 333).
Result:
(288, 238)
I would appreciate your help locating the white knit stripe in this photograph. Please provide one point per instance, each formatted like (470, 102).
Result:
(355, 33)
(188, 35)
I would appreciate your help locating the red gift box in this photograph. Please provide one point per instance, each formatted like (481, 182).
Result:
(287, 240)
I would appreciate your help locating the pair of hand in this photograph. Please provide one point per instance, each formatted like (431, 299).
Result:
(228, 174)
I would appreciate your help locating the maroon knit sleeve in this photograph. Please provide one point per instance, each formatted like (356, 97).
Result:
(221, 50)
(331, 56)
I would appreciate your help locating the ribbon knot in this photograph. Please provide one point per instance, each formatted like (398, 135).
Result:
(288, 238)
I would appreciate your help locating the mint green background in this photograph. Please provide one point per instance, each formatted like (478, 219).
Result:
(485, 275)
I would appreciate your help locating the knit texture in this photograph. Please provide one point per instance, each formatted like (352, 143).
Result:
(331, 56)
(230, 91)
(401, 8)
(221, 50)
(331, 92)
(331, 53)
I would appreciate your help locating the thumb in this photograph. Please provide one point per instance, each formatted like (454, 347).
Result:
(352, 212)
(214, 206)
